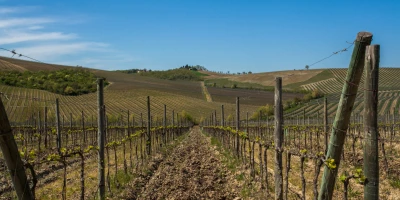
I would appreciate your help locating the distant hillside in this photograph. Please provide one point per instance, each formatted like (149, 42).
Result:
(265, 78)
(129, 91)
(22, 65)
(173, 74)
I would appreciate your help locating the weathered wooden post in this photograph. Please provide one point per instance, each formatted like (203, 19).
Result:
(101, 138)
(326, 123)
(12, 157)
(58, 127)
(70, 128)
(141, 119)
(371, 161)
(237, 125)
(165, 125)
(83, 127)
(45, 128)
(39, 131)
(343, 113)
(148, 139)
(215, 117)
(278, 139)
(222, 116)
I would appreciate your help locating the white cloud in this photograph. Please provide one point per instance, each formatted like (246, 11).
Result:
(31, 37)
(8, 10)
(35, 27)
(17, 37)
(19, 9)
(18, 22)
(51, 51)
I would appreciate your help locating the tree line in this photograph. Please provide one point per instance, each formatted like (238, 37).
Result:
(64, 81)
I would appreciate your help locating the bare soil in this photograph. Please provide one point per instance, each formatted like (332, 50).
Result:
(192, 170)
(268, 78)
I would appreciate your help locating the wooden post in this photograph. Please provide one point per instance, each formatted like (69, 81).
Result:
(326, 123)
(141, 119)
(237, 126)
(247, 122)
(278, 139)
(173, 117)
(70, 128)
(371, 161)
(12, 157)
(58, 127)
(45, 128)
(215, 117)
(83, 127)
(148, 139)
(165, 125)
(101, 138)
(222, 116)
(39, 131)
(343, 113)
(128, 125)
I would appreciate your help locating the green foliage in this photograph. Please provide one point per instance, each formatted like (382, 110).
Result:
(265, 111)
(315, 94)
(294, 103)
(194, 67)
(330, 162)
(395, 182)
(65, 81)
(359, 175)
(185, 115)
(303, 151)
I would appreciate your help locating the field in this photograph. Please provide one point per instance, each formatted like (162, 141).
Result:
(204, 157)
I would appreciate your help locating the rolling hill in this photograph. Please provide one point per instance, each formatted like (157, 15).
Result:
(129, 92)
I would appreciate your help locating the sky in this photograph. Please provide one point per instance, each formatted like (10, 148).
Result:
(221, 35)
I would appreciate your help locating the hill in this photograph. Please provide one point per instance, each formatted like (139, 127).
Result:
(129, 91)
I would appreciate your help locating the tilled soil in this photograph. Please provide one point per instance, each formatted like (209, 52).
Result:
(191, 171)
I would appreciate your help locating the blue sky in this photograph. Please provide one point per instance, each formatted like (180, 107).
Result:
(231, 35)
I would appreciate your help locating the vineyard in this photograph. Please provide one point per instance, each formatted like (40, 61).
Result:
(304, 149)
(145, 138)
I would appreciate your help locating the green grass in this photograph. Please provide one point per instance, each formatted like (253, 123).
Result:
(325, 74)
(395, 182)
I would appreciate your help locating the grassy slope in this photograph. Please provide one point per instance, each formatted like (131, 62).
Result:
(322, 75)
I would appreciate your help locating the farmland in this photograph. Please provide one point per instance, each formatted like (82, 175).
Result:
(32, 114)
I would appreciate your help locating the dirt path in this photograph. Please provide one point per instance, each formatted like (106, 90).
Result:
(205, 92)
(191, 171)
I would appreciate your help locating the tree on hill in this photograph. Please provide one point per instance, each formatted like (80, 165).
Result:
(307, 67)
(194, 67)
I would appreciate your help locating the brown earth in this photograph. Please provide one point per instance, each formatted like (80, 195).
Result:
(268, 78)
(192, 170)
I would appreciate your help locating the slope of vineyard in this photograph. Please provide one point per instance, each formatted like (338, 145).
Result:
(129, 92)
(388, 103)
(22, 103)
